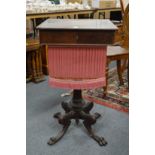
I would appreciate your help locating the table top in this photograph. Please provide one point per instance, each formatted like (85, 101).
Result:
(35, 15)
(78, 24)
(69, 10)
(59, 11)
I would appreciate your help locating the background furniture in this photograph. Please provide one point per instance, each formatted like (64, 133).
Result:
(77, 62)
(33, 61)
(70, 14)
(119, 53)
(57, 14)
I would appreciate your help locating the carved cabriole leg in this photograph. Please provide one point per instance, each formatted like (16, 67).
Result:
(63, 120)
(90, 120)
(100, 140)
(53, 140)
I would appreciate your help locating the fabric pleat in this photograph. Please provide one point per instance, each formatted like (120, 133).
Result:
(77, 67)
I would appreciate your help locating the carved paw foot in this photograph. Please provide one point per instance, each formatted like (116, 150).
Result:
(101, 141)
(60, 134)
(52, 141)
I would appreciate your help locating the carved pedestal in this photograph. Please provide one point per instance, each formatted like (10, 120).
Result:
(77, 109)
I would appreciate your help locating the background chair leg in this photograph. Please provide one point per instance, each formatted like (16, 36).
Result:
(106, 87)
(128, 74)
(119, 70)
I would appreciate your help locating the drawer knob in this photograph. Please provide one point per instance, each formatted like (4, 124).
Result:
(77, 37)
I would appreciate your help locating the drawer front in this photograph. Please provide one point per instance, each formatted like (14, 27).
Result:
(57, 36)
(95, 37)
(76, 37)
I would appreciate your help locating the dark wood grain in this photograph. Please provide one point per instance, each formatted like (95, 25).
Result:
(95, 37)
(57, 36)
(76, 36)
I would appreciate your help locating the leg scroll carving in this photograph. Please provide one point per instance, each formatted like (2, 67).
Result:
(63, 120)
(53, 140)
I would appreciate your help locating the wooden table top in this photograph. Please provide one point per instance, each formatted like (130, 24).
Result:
(34, 15)
(60, 11)
(77, 24)
(70, 10)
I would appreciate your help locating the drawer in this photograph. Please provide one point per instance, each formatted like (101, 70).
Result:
(76, 37)
(95, 37)
(57, 36)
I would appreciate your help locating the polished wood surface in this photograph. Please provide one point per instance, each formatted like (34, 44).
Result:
(77, 24)
(115, 51)
(79, 31)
